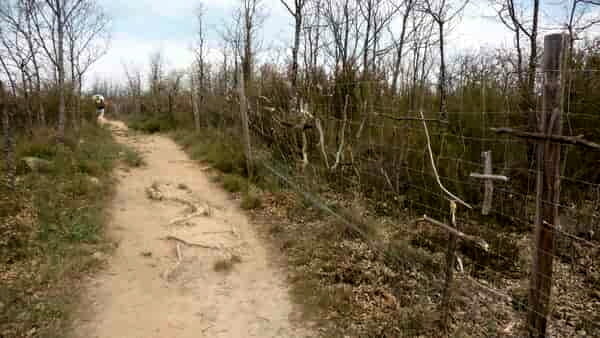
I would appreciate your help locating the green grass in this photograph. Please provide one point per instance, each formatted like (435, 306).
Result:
(223, 153)
(51, 226)
(250, 200)
(155, 123)
(233, 183)
(133, 158)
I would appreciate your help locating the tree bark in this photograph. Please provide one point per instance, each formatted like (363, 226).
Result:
(9, 144)
(62, 117)
(548, 187)
(400, 48)
(195, 104)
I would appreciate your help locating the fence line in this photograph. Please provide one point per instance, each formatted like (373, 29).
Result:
(384, 159)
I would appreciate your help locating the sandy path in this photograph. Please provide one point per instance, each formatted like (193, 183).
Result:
(151, 290)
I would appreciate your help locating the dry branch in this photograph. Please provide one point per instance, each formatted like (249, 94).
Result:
(193, 208)
(303, 125)
(489, 177)
(304, 150)
(575, 140)
(179, 254)
(437, 176)
(322, 141)
(197, 245)
(219, 232)
(168, 272)
(180, 220)
(338, 155)
(480, 242)
(411, 118)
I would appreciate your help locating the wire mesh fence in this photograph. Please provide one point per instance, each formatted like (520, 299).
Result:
(472, 175)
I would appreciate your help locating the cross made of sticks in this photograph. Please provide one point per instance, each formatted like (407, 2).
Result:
(489, 179)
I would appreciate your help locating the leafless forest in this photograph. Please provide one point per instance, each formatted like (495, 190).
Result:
(442, 192)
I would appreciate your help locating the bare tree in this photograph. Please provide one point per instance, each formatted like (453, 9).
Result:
(342, 21)
(377, 15)
(173, 85)
(87, 40)
(407, 11)
(13, 39)
(442, 13)
(200, 50)
(580, 18)
(298, 13)
(156, 79)
(18, 16)
(134, 85)
(9, 142)
(198, 70)
(312, 40)
(231, 33)
(51, 19)
(251, 21)
(510, 15)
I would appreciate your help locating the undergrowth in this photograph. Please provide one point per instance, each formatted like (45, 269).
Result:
(51, 226)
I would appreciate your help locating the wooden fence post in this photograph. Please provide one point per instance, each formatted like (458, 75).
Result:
(445, 306)
(245, 126)
(548, 186)
(195, 110)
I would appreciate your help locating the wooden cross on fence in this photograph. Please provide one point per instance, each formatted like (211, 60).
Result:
(489, 181)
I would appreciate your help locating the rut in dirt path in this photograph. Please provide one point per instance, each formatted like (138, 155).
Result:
(158, 286)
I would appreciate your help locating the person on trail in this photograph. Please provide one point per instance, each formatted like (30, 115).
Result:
(100, 105)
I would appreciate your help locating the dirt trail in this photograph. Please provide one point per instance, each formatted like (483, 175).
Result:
(157, 287)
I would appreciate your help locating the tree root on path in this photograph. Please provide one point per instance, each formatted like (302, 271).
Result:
(193, 209)
(196, 212)
(197, 245)
(168, 272)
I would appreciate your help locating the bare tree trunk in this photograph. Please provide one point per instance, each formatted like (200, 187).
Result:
(548, 186)
(369, 20)
(195, 104)
(62, 117)
(41, 115)
(27, 103)
(78, 99)
(9, 144)
(245, 126)
(322, 141)
(298, 25)
(442, 84)
(400, 47)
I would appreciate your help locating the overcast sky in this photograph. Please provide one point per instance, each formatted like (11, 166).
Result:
(140, 27)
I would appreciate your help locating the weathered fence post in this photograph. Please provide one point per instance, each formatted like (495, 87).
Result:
(245, 126)
(548, 186)
(450, 263)
(195, 110)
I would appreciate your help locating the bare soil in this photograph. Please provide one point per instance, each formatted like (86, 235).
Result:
(174, 229)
